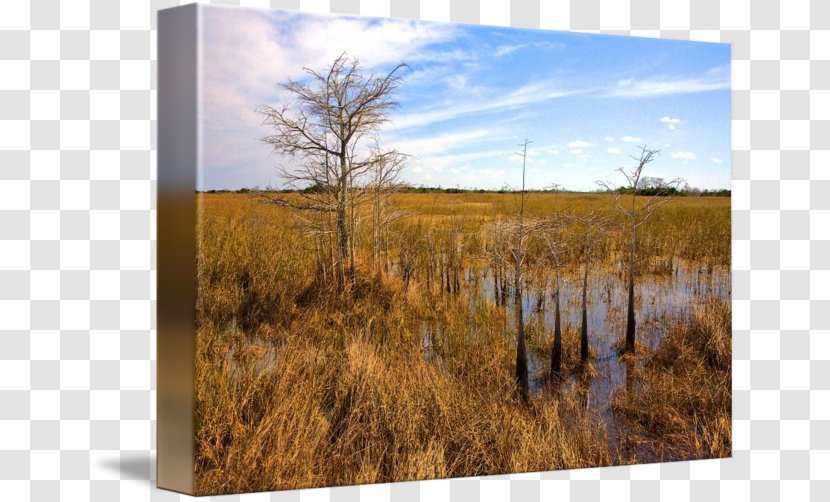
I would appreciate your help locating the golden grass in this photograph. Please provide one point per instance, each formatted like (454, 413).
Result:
(301, 386)
(679, 402)
(324, 407)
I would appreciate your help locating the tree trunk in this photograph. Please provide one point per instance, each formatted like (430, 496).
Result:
(378, 231)
(503, 288)
(630, 327)
(583, 343)
(342, 242)
(352, 226)
(342, 224)
(556, 353)
(496, 285)
(521, 348)
(521, 344)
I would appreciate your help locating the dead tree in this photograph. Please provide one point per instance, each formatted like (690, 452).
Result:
(556, 250)
(499, 254)
(518, 264)
(451, 255)
(625, 200)
(594, 225)
(383, 183)
(332, 113)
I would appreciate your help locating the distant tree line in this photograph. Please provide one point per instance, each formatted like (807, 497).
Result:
(654, 186)
(646, 190)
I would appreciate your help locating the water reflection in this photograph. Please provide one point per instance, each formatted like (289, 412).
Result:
(662, 301)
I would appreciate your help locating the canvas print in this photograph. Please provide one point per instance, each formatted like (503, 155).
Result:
(428, 250)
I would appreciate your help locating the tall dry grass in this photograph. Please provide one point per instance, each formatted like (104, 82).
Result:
(679, 403)
(300, 386)
(320, 405)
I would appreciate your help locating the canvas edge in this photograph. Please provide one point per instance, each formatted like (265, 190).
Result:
(178, 164)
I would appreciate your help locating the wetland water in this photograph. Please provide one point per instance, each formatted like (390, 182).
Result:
(663, 300)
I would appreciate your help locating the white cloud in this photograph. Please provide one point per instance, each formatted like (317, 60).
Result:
(248, 53)
(671, 122)
(683, 155)
(434, 145)
(528, 94)
(579, 144)
(716, 160)
(507, 49)
(469, 163)
(715, 79)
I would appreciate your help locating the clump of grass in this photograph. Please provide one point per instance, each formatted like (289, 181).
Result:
(626, 355)
(680, 403)
(304, 412)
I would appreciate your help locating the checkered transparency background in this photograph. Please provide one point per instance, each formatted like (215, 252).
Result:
(77, 249)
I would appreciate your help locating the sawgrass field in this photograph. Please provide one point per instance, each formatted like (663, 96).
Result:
(409, 373)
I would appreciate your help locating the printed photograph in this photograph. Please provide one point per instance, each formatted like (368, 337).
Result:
(430, 250)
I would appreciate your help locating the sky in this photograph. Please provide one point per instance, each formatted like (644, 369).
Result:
(470, 95)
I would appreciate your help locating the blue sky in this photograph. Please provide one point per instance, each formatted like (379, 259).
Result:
(471, 94)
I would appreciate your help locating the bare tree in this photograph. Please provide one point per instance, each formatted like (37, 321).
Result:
(594, 225)
(384, 182)
(625, 200)
(499, 257)
(333, 113)
(518, 264)
(556, 250)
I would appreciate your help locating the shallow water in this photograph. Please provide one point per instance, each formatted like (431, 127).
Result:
(661, 301)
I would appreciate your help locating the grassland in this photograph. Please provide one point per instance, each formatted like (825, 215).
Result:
(301, 385)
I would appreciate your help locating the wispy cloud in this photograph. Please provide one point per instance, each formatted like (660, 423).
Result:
(427, 146)
(248, 53)
(716, 79)
(467, 98)
(491, 100)
(507, 49)
(683, 155)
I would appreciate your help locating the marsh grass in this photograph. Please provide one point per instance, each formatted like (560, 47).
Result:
(305, 410)
(682, 405)
(300, 385)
